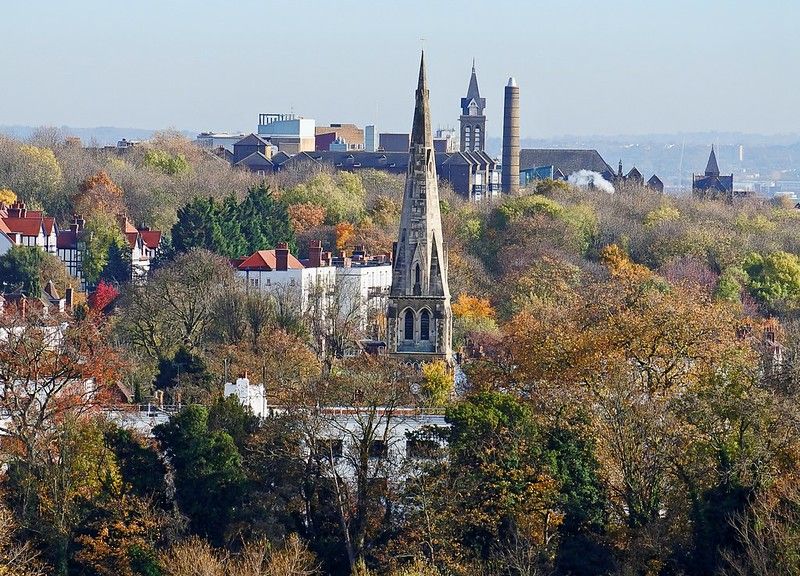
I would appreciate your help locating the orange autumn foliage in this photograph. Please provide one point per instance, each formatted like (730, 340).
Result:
(472, 307)
(345, 232)
(305, 216)
(99, 193)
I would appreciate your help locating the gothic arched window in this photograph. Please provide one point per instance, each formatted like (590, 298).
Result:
(424, 325)
(416, 275)
(408, 328)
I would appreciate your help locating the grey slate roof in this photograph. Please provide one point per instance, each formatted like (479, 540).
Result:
(712, 168)
(256, 161)
(565, 161)
(252, 140)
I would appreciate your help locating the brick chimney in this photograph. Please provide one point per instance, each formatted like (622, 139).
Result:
(282, 256)
(315, 254)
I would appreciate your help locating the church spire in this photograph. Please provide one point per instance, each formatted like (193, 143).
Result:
(473, 120)
(419, 318)
(472, 90)
(712, 168)
(421, 128)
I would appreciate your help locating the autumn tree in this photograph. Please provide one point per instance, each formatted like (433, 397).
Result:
(99, 194)
(176, 306)
(7, 196)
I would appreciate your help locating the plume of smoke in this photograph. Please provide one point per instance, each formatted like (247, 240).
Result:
(587, 178)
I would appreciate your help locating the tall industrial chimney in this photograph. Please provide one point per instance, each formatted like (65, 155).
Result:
(510, 174)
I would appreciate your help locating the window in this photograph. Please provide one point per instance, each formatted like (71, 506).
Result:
(424, 325)
(254, 282)
(329, 448)
(377, 449)
(477, 145)
(409, 325)
(416, 275)
(467, 138)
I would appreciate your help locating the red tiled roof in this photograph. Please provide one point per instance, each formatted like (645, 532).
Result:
(67, 239)
(4, 228)
(25, 226)
(125, 224)
(265, 260)
(151, 238)
(49, 223)
(33, 214)
(132, 237)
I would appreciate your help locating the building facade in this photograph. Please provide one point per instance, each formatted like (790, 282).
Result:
(289, 133)
(419, 318)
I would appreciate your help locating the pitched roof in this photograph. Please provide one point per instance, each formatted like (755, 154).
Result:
(473, 94)
(655, 181)
(721, 183)
(634, 174)
(265, 260)
(252, 140)
(125, 225)
(566, 161)
(257, 161)
(280, 157)
(3, 228)
(49, 223)
(712, 169)
(50, 290)
(132, 237)
(24, 226)
(151, 238)
(67, 239)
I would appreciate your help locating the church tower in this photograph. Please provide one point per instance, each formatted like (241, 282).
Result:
(420, 322)
(473, 121)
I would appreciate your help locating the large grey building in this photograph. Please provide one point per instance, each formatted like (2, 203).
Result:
(419, 316)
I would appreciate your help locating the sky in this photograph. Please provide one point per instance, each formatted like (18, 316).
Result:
(583, 67)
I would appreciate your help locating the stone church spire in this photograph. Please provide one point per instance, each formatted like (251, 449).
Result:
(419, 316)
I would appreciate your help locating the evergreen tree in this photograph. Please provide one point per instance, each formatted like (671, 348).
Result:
(118, 268)
(235, 243)
(19, 268)
(265, 222)
(198, 226)
(209, 479)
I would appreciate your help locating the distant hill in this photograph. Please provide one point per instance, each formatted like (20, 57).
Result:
(674, 157)
(97, 136)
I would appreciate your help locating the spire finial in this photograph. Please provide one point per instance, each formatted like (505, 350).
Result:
(421, 129)
(473, 64)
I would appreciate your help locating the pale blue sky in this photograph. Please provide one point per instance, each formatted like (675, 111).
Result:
(584, 67)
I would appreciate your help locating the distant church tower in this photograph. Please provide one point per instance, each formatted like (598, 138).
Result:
(420, 322)
(473, 121)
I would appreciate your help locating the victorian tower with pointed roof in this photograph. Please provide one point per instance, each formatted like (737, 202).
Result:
(473, 120)
(420, 321)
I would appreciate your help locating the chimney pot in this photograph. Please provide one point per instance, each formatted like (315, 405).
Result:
(282, 256)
